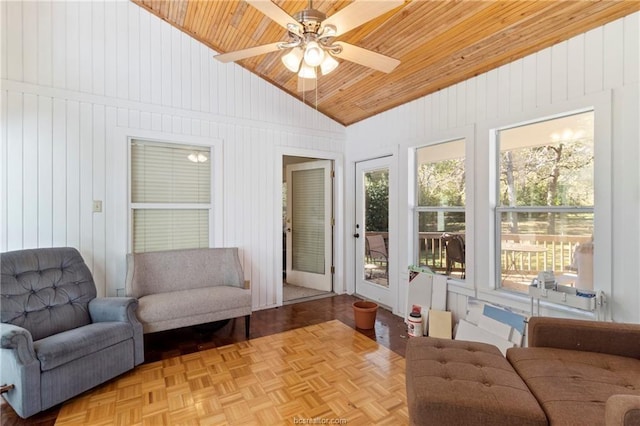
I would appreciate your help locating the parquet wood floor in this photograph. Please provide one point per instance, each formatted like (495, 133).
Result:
(389, 332)
(326, 371)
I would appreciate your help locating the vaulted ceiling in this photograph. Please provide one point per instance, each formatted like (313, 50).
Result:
(439, 43)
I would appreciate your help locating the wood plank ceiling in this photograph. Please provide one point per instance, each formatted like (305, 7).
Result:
(439, 43)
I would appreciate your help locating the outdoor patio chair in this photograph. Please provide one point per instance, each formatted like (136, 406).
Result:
(376, 251)
(455, 251)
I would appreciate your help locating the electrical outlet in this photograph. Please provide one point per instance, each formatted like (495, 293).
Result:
(97, 206)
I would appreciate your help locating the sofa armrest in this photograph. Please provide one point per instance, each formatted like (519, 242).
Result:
(582, 335)
(18, 340)
(622, 410)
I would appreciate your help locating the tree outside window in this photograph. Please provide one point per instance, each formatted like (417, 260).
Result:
(545, 197)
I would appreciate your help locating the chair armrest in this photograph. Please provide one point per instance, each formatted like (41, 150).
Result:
(18, 340)
(379, 253)
(622, 410)
(19, 367)
(120, 309)
(582, 335)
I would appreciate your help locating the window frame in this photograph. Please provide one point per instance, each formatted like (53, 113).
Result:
(601, 104)
(499, 210)
(215, 200)
(467, 133)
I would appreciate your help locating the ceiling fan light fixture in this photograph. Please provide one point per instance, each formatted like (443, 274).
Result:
(328, 64)
(313, 54)
(306, 71)
(292, 59)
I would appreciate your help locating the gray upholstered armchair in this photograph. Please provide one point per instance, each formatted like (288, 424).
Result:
(56, 338)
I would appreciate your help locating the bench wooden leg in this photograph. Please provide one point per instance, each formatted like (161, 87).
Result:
(247, 322)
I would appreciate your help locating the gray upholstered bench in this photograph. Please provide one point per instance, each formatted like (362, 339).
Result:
(452, 382)
(180, 288)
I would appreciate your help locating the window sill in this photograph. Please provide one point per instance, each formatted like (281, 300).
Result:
(460, 287)
(522, 302)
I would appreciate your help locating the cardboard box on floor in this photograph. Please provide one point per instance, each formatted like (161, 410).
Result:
(440, 324)
(429, 291)
(491, 324)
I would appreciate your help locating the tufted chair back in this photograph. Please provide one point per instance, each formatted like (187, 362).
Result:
(46, 291)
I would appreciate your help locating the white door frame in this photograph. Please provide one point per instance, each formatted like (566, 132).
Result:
(319, 281)
(339, 285)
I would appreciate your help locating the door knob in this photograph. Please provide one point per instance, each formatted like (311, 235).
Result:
(356, 235)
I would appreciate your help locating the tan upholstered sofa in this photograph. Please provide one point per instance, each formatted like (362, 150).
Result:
(180, 288)
(573, 372)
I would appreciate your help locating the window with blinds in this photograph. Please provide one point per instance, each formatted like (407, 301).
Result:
(308, 220)
(170, 196)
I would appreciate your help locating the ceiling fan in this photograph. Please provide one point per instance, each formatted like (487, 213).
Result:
(312, 39)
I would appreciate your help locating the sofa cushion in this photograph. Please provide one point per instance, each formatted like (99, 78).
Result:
(61, 348)
(573, 386)
(453, 382)
(192, 302)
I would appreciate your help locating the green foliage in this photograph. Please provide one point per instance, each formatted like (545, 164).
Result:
(441, 183)
(451, 221)
(558, 174)
(377, 201)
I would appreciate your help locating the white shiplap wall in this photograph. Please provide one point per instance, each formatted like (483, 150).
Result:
(79, 77)
(602, 63)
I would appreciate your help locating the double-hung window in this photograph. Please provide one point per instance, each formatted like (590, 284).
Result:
(545, 201)
(440, 207)
(170, 196)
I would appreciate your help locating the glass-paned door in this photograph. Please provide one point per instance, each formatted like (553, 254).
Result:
(372, 233)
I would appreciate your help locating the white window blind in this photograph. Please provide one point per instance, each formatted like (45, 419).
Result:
(170, 196)
(308, 220)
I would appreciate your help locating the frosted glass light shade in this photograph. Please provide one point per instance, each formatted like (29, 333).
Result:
(306, 71)
(292, 59)
(313, 54)
(328, 64)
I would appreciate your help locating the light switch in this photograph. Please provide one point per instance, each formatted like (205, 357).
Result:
(97, 206)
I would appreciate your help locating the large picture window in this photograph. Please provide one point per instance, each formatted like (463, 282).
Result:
(170, 196)
(440, 207)
(545, 208)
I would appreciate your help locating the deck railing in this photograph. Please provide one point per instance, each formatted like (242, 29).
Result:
(555, 252)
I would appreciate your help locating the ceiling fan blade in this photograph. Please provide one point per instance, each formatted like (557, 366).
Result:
(368, 58)
(273, 12)
(247, 53)
(306, 84)
(358, 13)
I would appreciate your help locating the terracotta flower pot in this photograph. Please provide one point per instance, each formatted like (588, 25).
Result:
(365, 314)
